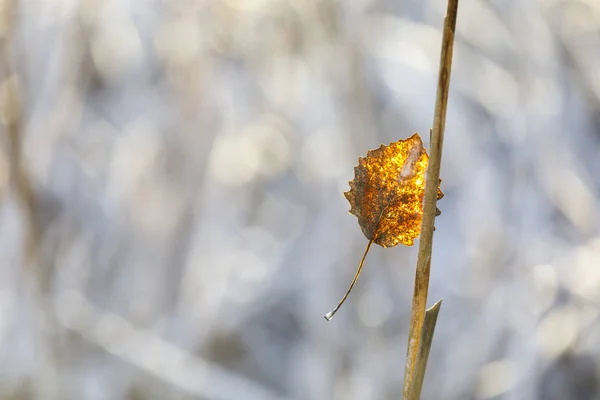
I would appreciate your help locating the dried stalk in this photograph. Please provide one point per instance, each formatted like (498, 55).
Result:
(423, 353)
(430, 199)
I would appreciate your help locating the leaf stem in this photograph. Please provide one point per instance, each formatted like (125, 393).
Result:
(430, 197)
(330, 314)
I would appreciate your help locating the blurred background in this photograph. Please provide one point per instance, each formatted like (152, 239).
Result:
(172, 223)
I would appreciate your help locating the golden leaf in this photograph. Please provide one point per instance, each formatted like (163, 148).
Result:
(386, 196)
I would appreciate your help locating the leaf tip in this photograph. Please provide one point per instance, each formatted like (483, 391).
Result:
(415, 136)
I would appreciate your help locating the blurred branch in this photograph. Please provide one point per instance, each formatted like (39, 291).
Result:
(430, 200)
(151, 353)
(38, 278)
(12, 121)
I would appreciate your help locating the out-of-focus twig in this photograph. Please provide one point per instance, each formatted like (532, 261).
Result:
(151, 353)
(430, 199)
(10, 110)
(45, 371)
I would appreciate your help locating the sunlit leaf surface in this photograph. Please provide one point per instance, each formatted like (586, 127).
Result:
(386, 194)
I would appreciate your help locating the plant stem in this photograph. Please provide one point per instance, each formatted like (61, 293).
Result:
(423, 353)
(430, 197)
(330, 314)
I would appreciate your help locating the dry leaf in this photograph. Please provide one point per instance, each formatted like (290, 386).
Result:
(386, 196)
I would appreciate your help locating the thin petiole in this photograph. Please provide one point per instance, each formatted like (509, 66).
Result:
(330, 314)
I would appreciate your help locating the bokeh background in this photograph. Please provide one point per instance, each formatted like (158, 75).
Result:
(172, 224)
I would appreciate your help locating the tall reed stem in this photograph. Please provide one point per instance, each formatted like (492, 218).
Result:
(430, 200)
